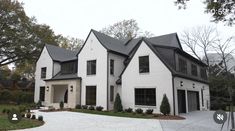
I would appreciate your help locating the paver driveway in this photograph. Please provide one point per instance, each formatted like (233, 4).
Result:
(73, 121)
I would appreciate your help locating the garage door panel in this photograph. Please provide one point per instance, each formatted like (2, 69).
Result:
(193, 100)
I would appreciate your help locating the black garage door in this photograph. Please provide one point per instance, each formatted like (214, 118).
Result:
(193, 100)
(181, 101)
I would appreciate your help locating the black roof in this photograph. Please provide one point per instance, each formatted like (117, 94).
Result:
(61, 54)
(61, 76)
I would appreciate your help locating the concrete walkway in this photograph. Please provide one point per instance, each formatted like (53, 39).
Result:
(73, 121)
(195, 121)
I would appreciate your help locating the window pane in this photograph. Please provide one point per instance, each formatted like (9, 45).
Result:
(42, 93)
(193, 70)
(90, 95)
(144, 64)
(111, 93)
(43, 72)
(69, 67)
(203, 73)
(111, 67)
(145, 97)
(91, 67)
(182, 66)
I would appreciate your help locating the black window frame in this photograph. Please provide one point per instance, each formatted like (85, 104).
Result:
(145, 96)
(69, 67)
(42, 93)
(183, 66)
(43, 72)
(194, 71)
(203, 73)
(111, 67)
(144, 64)
(90, 69)
(91, 92)
(111, 93)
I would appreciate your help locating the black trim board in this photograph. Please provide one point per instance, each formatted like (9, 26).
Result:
(63, 79)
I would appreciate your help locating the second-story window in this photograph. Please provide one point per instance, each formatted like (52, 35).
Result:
(43, 72)
(182, 66)
(91, 67)
(193, 69)
(112, 67)
(203, 73)
(69, 67)
(143, 64)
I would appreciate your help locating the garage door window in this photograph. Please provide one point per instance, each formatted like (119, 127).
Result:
(145, 96)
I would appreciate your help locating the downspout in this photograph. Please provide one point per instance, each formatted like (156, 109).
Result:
(107, 80)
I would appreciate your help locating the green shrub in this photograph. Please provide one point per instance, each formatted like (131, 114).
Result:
(5, 96)
(28, 115)
(40, 118)
(4, 111)
(22, 115)
(22, 108)
(61, 105)
(165, 106)
(78, 106)
(129, 110)
(139, 111)
(99, 108)
(84, 106)
(149, 111)
(33, 117)
(91, 108)
(39, 104)
(118, 104)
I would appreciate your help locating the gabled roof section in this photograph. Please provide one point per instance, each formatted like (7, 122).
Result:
(110, 43)
(170, 40)
(60, 54)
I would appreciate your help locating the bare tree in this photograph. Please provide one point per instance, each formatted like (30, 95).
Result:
(198, 39)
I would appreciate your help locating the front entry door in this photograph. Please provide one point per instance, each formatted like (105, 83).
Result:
(181, 101)
(66, 96)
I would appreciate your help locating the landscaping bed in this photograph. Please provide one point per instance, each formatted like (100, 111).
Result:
(28, 121)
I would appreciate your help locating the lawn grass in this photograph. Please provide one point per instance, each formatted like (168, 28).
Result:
(24, 123)
(118, 114)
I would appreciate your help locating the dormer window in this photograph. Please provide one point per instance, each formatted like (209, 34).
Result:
(193, 69)
(182, 66)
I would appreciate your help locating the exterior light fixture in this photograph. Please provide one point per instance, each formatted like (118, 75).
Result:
(193, 85)
(181, 83)
(71, 88)
(47, 88)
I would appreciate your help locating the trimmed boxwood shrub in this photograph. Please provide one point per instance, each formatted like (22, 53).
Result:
(84, 106)
(139, 111)
(22, 115)
(91, 108)
(118, 104)
(165, 106)
(78, 106)
(22, 108)
(28, 115)
(129, 110)
(33, 117)
(40, 118)
(99, 108)
(149, 111)
(61, 105)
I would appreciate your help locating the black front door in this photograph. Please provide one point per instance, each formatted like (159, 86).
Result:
(66, 96)
(181, 101)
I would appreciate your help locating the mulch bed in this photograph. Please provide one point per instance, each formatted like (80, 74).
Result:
(168, 117)
(55, 110)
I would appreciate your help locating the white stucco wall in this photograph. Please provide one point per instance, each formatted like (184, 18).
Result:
(56, 68)
(93, 50)
(43, 61)
(188, 86)
(118, 68)
(159, 77)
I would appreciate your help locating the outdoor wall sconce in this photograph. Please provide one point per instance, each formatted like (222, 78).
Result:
(181, 83)
(203, 88)
(47, 88)
(193, 85)
(71, 88)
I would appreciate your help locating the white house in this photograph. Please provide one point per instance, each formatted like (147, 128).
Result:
(141, 70)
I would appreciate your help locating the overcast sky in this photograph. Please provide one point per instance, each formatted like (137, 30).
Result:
(76, 17)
